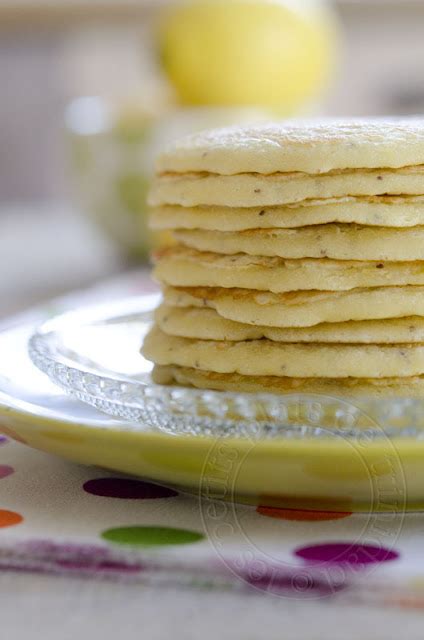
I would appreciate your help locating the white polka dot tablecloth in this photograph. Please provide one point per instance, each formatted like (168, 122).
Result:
(61, 518)
(57, 517)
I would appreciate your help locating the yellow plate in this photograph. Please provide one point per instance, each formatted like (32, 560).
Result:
(338, 473)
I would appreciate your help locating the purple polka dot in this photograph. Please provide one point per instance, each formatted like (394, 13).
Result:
(3, 440)
(296, 584)
(5, 470)
(347, 553)
(121, 567)
(127, 489)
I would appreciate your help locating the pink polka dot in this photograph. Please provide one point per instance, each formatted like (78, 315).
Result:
(127, 489)
(6, 470)
(347, 553)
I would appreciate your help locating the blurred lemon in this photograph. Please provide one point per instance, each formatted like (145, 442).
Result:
(277, 53)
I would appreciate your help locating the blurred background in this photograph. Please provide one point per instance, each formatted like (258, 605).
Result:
(90, 91)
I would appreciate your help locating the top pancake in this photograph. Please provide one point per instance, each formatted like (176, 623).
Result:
(306, 147)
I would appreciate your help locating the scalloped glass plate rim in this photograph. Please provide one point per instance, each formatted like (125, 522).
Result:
(176, 409)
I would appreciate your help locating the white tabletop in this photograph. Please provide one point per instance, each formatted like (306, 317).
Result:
(52, 608)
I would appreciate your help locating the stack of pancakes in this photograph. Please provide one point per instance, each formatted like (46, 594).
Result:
(299, 263)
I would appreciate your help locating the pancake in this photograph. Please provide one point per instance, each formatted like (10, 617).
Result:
(268, 358)
(340, 242)
(183, 267)
(301, 308)
(299, 259)
(254, 189)
(206, 324)
(312, 147)
(345, 387)
(379, 211)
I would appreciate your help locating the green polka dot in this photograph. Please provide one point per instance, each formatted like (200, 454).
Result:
(151, 536)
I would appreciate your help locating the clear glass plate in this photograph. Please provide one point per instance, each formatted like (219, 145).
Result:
(94, 354)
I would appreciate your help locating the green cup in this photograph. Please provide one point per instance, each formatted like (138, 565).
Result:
(113, 148)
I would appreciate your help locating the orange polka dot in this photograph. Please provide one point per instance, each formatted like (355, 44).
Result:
(300, 514)
(9, 518)
(407, 602)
